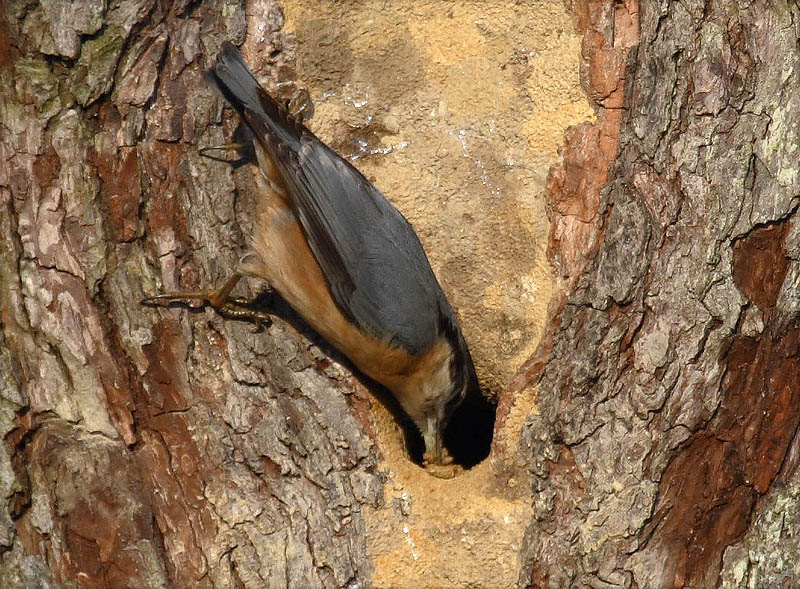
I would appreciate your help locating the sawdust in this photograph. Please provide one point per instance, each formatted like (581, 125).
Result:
(455, 111)
(432, 532)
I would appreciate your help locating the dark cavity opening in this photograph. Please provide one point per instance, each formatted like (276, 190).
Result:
(468, 436)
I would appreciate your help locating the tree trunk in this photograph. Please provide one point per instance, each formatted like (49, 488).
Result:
(151, 448)
(171, 448)
(665, 448)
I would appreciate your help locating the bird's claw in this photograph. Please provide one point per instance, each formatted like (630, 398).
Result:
(299, 105)
(231, 308)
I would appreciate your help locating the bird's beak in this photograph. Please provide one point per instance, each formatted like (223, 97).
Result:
(435, 452)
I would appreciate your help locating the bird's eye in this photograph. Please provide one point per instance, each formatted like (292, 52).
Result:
(457, 394)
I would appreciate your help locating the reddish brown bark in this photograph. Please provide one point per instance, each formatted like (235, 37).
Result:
(668, 383)
(136, 454)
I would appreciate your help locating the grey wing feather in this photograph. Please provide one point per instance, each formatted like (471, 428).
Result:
(376, 269)
(386, 285)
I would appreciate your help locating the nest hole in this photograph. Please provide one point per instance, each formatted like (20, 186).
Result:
(468, 436)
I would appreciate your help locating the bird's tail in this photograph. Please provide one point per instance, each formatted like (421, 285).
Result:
(266, 117)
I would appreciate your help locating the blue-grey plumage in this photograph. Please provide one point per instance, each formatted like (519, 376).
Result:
(380, 302)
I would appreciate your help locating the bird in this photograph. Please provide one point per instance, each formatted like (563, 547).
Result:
(347, 261)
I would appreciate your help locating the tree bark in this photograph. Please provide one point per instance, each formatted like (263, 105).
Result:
(665, 448)
(153, 448)
(165, 448)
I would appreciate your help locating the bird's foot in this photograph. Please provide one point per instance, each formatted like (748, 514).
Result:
(220, 300)
(226, 148)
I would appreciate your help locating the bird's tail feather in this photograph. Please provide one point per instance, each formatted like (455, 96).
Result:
(235, 82)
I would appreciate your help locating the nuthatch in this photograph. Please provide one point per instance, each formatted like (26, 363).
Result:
(347, 261)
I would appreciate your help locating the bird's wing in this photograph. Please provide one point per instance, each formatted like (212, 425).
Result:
(374, 264)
